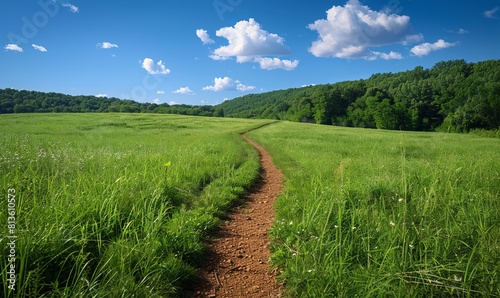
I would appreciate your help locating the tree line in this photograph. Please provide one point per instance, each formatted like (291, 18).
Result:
(450, 96)
(23, 101)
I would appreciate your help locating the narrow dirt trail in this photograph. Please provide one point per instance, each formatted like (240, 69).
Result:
(237, 262)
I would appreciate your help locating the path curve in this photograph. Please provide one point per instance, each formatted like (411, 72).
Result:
(237, 262)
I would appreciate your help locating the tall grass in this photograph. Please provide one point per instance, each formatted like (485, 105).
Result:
(370, 213)
(116, 205)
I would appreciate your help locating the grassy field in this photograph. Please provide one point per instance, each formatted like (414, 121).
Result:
(115, 205)
(119, 205)
(370, 213)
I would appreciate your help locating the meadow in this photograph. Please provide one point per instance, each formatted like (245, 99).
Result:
(115, 205)
(374, 213)
(121, 205)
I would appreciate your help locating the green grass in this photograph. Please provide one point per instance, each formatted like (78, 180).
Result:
(371, 213)
(116, 205)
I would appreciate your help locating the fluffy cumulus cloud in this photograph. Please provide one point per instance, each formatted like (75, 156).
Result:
(353, 30)
(227, 84)
(106, 45)
(247, 38)
(71, 7)
(248, 42)
(101, 95)
(13, 47)
(154, 68)
(426, 48)
(39, 48)
(203, 35)
(386, 56)
(184, 90)
(275, 63)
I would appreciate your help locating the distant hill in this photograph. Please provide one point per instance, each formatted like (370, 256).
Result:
(451, 96)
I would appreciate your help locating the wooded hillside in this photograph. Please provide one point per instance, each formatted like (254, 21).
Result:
(451, 96)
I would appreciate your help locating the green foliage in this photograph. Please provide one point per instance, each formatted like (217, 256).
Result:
(117, 205)
(22, 101)
(451, 96)
(368, 213)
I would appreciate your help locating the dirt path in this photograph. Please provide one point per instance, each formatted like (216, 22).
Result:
(237, 262)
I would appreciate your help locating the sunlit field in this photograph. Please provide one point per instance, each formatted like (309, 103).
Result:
(372, 213)
(121, 205)
(115, 205)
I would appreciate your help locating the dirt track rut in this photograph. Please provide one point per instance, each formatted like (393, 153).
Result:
(237, 263)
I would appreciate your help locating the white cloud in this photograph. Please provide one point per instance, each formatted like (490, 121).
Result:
(426, 48)
(275, 63)
(71, 7)
(248, 42)
(13, 47)
(414, 38)
(106, 45)
(173, 103)
(462, 31)
(203, 35)
(39, 48)
(227, 84)
(101, 95)
(221, 84)
(219, 58)
(352, 30)
(183, 90)
(247, 38)
(390, 56)
(157, 101)
(160, 92)
(490, 14)
(243, 88)
(154, 68)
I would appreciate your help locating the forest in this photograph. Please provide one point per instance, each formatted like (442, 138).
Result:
(453, 96)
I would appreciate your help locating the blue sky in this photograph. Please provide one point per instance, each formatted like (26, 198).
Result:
(204, 52)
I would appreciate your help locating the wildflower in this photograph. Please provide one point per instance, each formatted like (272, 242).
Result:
(411, 246)
(335, 226)
(392, 223)
(457, 278)
(353, 228)
(311, 270)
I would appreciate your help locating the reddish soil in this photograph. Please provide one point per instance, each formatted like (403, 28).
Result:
(237, 264)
